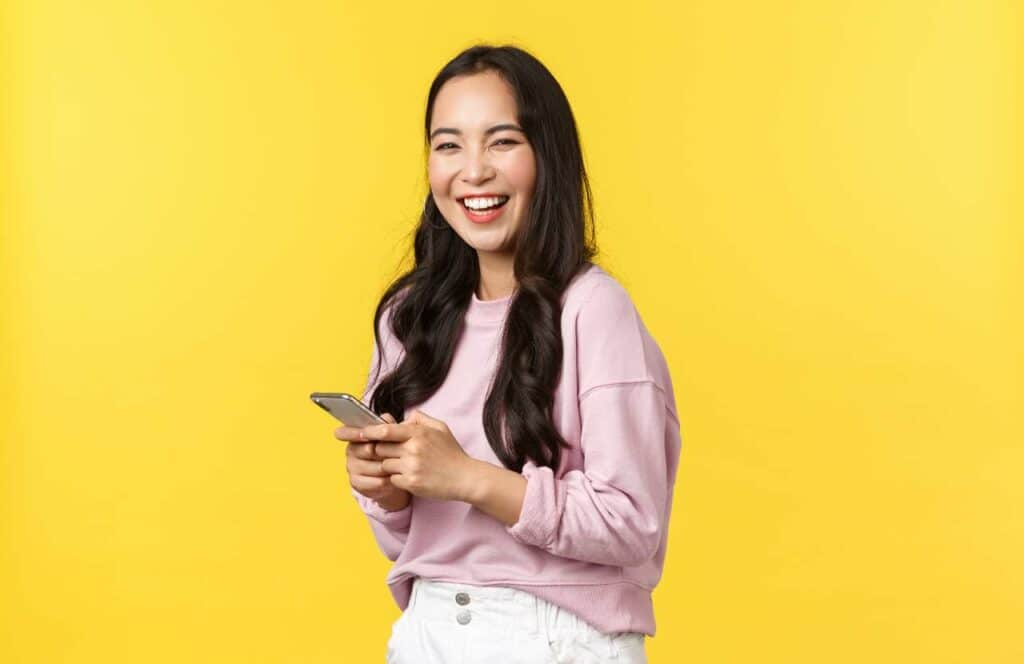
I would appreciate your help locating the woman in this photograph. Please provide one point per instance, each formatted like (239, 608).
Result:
(525, 495)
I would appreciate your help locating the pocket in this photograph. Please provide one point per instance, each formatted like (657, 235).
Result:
(394, 646)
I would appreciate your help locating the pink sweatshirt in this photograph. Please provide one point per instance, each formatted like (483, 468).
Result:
(592, 535)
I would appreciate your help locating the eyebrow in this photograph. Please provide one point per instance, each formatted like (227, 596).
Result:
(487, 132)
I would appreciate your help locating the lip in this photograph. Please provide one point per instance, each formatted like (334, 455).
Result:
(489, 216)
(483, 195)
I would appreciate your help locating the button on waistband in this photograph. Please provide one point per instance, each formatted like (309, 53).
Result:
(462, 599)
(464, 617)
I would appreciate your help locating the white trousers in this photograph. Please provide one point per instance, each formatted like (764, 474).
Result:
(453, 623)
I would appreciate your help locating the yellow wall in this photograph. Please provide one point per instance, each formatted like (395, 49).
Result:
(815, 205)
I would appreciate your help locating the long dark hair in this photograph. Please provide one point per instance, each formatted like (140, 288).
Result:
(554, 244)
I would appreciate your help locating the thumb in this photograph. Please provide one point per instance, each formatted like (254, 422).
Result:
(388, 417)
(419, 417)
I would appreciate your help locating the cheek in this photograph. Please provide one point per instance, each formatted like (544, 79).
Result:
(522, 173)
(438, 178)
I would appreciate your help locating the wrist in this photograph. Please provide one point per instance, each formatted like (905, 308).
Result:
(396, 503)
(474, 482)
(494, 490)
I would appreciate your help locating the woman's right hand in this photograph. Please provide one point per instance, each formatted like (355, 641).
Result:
(364, 474)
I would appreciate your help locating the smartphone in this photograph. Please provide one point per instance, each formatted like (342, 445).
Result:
(347, 409)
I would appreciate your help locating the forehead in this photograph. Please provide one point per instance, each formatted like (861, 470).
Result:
(473, 102)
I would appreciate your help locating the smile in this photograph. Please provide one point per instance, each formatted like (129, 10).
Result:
(483, 216)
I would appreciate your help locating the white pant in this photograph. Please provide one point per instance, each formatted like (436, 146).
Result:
(454, 623)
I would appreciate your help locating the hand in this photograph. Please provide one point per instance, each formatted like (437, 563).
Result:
(364, 469)
(423, 457)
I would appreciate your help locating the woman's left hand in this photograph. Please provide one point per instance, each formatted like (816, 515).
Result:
(423, 457)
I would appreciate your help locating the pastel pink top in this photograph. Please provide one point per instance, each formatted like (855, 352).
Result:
(592, 535)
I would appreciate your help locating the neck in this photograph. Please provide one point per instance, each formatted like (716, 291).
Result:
(497, 275)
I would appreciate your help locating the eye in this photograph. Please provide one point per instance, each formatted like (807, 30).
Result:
(506, 141)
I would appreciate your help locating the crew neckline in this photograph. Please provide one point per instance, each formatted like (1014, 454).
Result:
(488, 311)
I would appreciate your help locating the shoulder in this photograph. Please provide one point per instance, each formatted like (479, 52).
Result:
(613, 345)
(596, 300)
(597, 294)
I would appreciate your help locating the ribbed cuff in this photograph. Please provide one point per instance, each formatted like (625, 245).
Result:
(542, 508)
(398, 520)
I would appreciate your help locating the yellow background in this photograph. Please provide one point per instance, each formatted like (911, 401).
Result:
(815, 206)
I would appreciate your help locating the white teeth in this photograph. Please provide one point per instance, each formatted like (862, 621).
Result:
(482, 203)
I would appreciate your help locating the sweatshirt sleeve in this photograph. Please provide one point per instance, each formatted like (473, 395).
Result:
(390, 529)
(614, 511)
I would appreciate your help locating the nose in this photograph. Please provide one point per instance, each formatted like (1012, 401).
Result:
(477, 167)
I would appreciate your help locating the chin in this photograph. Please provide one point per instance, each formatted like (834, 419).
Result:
(489, 247)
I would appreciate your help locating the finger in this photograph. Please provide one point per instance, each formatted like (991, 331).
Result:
(394, 432)
(350, 434)
(388, 417)
(419, 417)
(391, 450)
(367, 468)
(398, 481)
(363, 450)
(392, 467)
(365, 483)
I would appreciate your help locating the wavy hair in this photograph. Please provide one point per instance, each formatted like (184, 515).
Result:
(554, 244)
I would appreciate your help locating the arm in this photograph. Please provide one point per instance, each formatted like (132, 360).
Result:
(613, 511)
(496, 490)
(390, 527)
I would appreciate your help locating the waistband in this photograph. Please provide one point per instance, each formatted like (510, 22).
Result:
(507, 610)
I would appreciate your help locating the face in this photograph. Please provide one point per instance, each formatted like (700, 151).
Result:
(465, 160)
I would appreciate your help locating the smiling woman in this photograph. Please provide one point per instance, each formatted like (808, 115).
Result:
(510, 543)
(482, 171)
